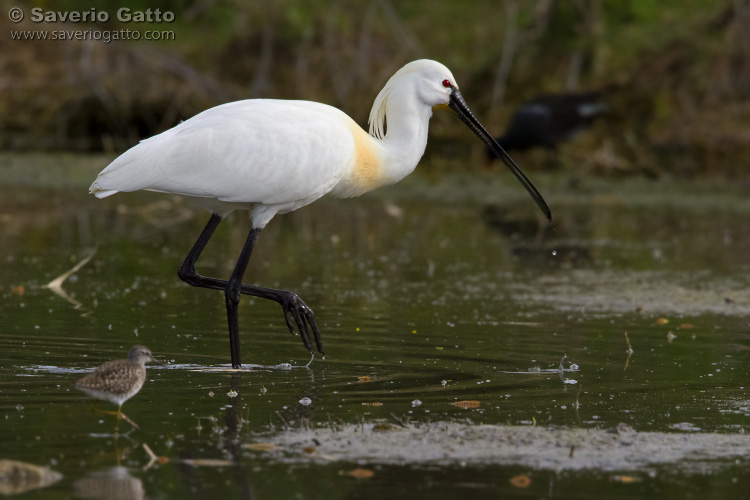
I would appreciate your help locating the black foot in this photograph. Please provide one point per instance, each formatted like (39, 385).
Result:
(296, 310)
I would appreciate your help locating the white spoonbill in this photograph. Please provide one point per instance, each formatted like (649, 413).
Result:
(271, 156)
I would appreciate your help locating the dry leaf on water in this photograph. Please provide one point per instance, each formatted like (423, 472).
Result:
(520, 481)
(358, 473)
(206, 462)
(625, 479)
(261, 446)
(467, 404)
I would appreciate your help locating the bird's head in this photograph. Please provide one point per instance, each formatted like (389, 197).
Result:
(426, 78)
(436, 87)
(140, 354)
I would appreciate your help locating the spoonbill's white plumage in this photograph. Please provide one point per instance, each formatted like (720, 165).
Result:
(274, 156)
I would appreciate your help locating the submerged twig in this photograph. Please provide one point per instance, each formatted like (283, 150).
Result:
(400, 421)
(304, 424)
(152, 457)
(283, 420)
(56, 284)
(629, 351)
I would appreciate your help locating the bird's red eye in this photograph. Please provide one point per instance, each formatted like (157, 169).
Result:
(446, 83)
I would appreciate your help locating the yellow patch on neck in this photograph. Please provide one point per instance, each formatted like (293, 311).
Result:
(441, 106)
(367, 172)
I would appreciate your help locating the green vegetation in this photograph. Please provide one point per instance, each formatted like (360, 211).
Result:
(675, 73)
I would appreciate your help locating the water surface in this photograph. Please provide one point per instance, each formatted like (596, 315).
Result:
(445, 303)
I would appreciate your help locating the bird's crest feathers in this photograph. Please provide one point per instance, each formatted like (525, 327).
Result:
(377, 114)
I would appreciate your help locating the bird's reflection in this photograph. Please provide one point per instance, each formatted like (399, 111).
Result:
(114, 483)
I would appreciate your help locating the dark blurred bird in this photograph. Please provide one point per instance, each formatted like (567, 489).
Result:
(549, 119)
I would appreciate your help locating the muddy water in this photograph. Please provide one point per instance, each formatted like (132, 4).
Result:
(446, 306)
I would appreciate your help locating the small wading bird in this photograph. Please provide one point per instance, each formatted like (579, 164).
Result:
(117, 381)
(274, 156)
(549, 119)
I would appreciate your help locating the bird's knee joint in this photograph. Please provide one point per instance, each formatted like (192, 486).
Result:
(186, 275)
(232, 294)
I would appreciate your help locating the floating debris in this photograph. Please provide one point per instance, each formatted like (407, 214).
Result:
(358, 473)
(262, 447)
(630, 348)
(517, 445)
(467, 404)
(520, 481)
(19, 477)
(195, 462)
(56, 284)
(625, 479)
(206, 462)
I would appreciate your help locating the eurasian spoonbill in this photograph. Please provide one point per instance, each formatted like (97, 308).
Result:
(271, 157)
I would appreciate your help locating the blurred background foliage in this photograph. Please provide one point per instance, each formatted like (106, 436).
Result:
(675, 73)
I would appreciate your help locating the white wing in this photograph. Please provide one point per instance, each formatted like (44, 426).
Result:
(253, 151)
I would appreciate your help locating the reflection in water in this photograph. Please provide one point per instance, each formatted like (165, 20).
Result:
(230, 445)
(114, 483)
(19, 477)
(231, 442)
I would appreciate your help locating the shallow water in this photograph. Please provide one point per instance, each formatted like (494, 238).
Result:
(428, 294)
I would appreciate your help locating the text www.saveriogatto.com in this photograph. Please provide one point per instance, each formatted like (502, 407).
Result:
(92, 15)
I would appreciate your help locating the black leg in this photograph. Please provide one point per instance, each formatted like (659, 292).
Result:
(295, 310)
(232, 296)
(187, 269)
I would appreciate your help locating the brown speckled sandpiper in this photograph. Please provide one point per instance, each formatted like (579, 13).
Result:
(117, 381)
